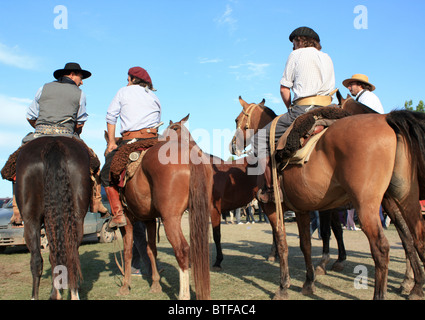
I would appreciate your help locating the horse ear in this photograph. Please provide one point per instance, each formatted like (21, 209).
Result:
(106, 136)
(243, 103)
(185, 118)
(170, 123)
(261, 104)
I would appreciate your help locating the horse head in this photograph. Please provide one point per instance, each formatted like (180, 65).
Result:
(252, 117)
(178, 130)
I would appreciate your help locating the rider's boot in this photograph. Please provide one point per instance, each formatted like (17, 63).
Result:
(118, 218)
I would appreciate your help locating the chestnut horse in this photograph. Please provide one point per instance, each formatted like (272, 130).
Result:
(374, 160)
(170, 179)
(53, 188)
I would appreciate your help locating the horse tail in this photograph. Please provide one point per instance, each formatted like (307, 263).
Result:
(59, 217)
(411, 126)
(199, 215)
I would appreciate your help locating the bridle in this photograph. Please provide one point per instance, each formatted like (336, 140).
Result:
(247, 116)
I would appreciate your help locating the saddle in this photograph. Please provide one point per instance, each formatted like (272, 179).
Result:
(8, 172)
(128, 158)
(296, 145)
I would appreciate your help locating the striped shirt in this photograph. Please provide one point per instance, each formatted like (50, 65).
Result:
(309, 72)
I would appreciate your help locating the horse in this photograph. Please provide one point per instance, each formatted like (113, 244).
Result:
(53, 187)
(379, 161)
(256, 116)
(171, 178)
(233, 188)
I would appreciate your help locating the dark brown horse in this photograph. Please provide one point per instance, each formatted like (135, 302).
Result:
(53, 188)
(373, 160)
(233, 188)
(171, 178)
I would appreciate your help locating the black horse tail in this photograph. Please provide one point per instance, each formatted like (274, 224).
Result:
(200, 194)
(411, 126)
(59, 218)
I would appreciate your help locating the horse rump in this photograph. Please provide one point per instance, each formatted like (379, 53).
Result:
(411, 126)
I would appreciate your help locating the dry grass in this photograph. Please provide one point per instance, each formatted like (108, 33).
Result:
(246, 274)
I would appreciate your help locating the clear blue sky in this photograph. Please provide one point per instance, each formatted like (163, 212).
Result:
(201, 56)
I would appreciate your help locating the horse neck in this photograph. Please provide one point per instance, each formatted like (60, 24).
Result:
(263, 118)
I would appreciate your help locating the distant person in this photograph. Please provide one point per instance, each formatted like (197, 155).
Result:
(361, 89)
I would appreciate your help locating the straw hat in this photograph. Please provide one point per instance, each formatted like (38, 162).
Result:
(360, 78)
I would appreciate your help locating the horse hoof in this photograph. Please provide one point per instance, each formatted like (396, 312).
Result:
(155, 288)
(308, 289)
(217, 268)
(124, 291)
(281, 295)
(320, 271)
(338, 266)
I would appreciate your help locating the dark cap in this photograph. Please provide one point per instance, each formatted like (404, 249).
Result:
(304, 31)
(140, 73)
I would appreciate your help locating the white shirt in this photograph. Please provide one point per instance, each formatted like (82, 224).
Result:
(136, 107)
(309, 72)
(371, 100)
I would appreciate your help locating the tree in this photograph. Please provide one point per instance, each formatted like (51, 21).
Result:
(420, 107)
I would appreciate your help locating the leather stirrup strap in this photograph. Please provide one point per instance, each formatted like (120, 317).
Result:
(278, 200)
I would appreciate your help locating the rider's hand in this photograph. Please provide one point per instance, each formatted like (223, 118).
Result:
(111, 147)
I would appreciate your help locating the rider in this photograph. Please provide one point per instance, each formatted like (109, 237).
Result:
(309, 72)
(59, 108)
(139, 110)
(361, 89)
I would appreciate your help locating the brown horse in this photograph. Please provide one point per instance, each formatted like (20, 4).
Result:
(233, 188)
(171, 178)
(373, 160)
(53, 187)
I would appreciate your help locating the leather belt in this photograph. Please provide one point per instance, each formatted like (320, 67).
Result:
(140, 134)
(322, 101)
(51, 129)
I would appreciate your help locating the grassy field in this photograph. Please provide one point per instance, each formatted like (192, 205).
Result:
(246, 275)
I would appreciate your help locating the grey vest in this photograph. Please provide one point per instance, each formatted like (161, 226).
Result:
(58, 102)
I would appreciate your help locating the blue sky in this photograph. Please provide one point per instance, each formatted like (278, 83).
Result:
(201, 55)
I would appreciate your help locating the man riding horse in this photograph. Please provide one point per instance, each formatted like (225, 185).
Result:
(139, 110)
(59, 109)
(309, 72)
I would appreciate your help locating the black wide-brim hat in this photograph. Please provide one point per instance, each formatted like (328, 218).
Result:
(71, 67)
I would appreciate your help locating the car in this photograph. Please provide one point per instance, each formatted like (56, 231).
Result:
(94, 225)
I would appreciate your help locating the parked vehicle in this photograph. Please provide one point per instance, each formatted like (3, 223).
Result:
(11, 235)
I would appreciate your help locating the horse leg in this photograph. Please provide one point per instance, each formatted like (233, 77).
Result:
(282, 249)
(303, 221)
(151, 250)
(379, 246)
(325, 232)
(127, 237)
(337, 230)
(215, 222)
(32, 239)
(414, 276)
(172, 226)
